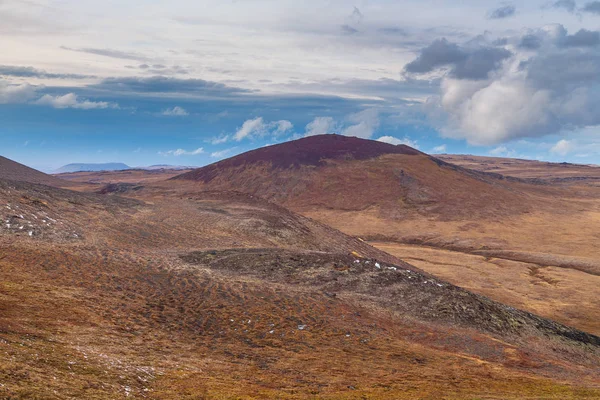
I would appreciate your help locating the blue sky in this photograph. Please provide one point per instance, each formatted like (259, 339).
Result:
(189, 83)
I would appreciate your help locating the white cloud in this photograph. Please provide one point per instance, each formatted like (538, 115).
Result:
(15, 93)
(362, 124)
(549, 83)
(251, 127)
(563, 147)
(395, 141)
(219, 140)
(365, 124)
(282, 127)
(257, 127)
(439, 149)
(175, 112)
(499, 151)
(71, 100)
(321, 126)
(182, 152)
(222, 153)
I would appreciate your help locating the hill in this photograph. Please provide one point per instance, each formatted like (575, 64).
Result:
(166, 167)
(167, 294)
(351, 174)
(514, 236)
(83, 167)
(528, 169)
(15, 171)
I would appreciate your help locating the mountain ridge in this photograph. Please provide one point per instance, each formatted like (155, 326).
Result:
(92, 167)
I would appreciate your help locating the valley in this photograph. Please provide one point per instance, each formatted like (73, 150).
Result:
(138, 285)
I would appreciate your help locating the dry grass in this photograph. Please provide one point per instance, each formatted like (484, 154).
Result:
(115, 312)
(565, 295)
(75, 324)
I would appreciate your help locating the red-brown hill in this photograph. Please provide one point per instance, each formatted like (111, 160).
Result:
(12, 170)
(347, 173)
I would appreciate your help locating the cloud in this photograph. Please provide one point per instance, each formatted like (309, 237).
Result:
(16, 93)
(537, 92)
(356, 16)
(464, 63)
(365, 123)
(175, 112)
(439, 149)
(499, 151)
(222, 153)
(592, 7)
(362, 124)
(109, 53)
(71, 100)
(530, 42)
(160, 69)
(348, 30)
(11, 93)
(257, 127)
(30, 72)
(583, 38)
(321, 126)
(182, 152)
(282, 127)
(395, 141)
(505, 11)
(163, 84)
(219, 139)
(353, 19)
(568, 5)
(562, 147)
(251, 127)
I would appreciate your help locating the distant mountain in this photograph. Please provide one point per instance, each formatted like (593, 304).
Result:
(92, 167)
(14, 171)
(165, 166)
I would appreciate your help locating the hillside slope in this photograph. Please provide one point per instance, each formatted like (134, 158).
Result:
(528, 169)
(352, 174)
(14, 171)
(218, 295)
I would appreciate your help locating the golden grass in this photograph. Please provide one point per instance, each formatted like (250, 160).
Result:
(75, 324)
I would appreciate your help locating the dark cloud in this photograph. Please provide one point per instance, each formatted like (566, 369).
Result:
(592, 7)
(439, 53)
(393, 31)
(348, 30)
(500, 42)
(559, 71)
(110, 53)
(530, 42)
(583, 38)
(505, 11)
(556, 88)
(464, 63)
(390, 90)
(30, 72)
(568, 5)
(480, 63)
(356, 15)
(159, 69)
(163, 84)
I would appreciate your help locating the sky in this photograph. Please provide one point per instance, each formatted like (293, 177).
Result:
(184, 82)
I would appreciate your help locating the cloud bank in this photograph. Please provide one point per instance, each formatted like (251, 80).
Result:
(513, 91)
